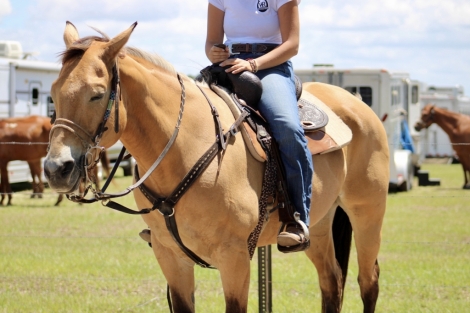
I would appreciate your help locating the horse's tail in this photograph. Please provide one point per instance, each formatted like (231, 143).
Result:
(342, 238)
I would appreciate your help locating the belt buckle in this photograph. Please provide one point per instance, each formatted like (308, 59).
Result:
(230, 49)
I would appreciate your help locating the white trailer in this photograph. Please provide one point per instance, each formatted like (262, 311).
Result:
(394, 97)
(24, 90)
(436, 143)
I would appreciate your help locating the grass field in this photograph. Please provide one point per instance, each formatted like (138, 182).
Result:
(90, 259)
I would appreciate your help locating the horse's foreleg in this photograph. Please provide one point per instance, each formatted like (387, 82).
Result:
(322, 254)
(234, 267)
(5, 183)
(179, 274)
(367, 228)
(466, 172)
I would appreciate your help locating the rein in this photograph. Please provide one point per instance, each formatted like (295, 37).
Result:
(166, 206)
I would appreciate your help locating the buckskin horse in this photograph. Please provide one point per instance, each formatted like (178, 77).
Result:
(457, 127)
(219, 211)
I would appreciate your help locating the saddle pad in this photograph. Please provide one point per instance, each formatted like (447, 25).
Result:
(338, 132)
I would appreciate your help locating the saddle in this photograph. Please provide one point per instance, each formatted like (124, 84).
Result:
(242, 92)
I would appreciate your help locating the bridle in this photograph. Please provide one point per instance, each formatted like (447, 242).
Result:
(91, 142)
(165, 205)
(430, 117)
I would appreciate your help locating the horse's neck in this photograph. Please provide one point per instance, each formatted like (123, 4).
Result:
(447, 120)
(152, 99)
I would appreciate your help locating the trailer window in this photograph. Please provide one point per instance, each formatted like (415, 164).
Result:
(35, 96)
(50, 106)
(414, 94)
(364, 91)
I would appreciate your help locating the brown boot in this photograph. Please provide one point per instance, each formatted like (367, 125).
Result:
(292, 239)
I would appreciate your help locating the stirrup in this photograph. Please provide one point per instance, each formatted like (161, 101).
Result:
(299, 247)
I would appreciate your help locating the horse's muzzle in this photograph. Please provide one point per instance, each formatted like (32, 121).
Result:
(63, 174)
(419, 125)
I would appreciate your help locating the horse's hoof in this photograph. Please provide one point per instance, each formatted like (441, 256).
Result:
(466, 187)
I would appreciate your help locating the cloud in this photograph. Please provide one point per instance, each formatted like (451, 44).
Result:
(5, 8)
(124, 10)
(413, 15)
(427, 38)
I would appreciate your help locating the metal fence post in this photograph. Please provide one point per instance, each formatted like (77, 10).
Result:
(265, 280)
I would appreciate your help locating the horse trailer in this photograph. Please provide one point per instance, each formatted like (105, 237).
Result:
(25, 90)
(395, 98)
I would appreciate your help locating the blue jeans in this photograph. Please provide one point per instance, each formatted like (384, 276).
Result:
(278, 105)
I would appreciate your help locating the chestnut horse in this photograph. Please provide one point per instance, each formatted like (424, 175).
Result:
(219, 211)
(457, 127)
(28, 137)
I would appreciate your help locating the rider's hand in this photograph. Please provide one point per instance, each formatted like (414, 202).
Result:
(217, 54)
(237, 66)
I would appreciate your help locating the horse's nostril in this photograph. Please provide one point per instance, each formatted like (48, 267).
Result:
(47, 173)
(67, 168)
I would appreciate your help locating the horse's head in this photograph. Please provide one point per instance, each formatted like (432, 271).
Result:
(427, 117)
(83, 96)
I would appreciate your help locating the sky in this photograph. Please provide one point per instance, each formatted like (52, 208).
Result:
(429, 39)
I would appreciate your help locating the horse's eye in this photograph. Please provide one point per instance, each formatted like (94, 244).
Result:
(96, 98)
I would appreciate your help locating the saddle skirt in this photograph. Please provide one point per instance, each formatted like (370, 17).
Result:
(324, 130)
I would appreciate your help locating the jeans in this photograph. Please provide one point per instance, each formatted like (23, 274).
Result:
(278, 105)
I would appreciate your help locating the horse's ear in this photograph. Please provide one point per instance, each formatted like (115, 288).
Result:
(114, 45)
(70, 34)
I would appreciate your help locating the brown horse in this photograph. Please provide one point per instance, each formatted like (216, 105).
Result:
(33, 131)
(219, 211)
(457, 127)
(30, 135)
(38, 186)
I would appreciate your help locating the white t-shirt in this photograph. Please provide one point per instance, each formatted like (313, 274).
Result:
(251, 21)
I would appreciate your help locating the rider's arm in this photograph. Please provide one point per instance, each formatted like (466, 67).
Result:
(215, 35)
(289, 27)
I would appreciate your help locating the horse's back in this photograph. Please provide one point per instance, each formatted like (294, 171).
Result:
(367, 155)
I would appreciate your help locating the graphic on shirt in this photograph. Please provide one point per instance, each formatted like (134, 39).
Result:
(263, 5)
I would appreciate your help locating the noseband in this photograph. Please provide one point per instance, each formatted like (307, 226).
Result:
(430, 117)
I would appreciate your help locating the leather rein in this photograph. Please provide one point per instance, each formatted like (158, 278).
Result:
(165, 205)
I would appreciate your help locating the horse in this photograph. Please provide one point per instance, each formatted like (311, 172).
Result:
(23, 131)
(219, 211)
(457, 127)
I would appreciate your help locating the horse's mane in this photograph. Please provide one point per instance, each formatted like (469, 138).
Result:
(79, 47)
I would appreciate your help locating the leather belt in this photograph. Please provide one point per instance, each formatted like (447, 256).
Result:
(251, 47)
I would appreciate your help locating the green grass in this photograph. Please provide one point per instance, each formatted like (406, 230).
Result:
(90, 259)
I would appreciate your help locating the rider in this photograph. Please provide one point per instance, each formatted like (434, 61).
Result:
(261, 37)
(267, 34)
